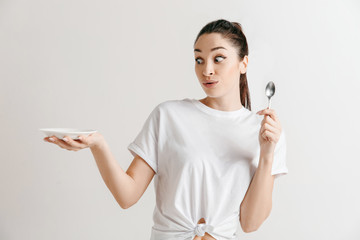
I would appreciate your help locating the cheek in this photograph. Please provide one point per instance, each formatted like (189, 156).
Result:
(197, 71)
(234, 70)
(230, 72)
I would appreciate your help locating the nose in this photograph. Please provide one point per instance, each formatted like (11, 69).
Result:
(208, 70)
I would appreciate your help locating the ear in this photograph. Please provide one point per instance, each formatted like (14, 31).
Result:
(243, 64)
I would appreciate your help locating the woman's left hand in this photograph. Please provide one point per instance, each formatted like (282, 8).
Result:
(270, 132)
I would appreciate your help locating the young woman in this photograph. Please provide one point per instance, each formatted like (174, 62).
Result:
(213, 160)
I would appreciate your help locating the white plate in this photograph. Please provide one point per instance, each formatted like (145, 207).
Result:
(74, 133)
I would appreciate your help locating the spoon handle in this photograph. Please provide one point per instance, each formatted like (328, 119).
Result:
(269, 103)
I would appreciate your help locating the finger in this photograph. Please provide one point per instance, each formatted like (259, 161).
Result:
(269, 136)
(49, 139)
(270, 112)
(83, 139)
(63, 144)
(275, 136)
(270, 121)
(86, 139)
(267, 126)
(74, 143)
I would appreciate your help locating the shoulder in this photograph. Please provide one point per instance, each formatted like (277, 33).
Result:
(172, 105)
(252, 118)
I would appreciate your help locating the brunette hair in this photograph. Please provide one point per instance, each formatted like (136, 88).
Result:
(234, 33)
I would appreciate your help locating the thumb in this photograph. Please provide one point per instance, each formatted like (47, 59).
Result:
(82, 138)
(87, 140)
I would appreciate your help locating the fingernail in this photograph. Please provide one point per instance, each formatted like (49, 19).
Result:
(65, 139)
(51, 139)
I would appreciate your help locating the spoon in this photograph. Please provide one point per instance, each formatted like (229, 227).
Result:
(269, 92)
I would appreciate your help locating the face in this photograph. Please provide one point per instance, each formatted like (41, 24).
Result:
(217, 60)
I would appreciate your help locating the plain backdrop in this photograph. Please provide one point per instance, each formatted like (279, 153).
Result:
(105, 65)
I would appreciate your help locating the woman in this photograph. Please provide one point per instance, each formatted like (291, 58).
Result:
(213, 159)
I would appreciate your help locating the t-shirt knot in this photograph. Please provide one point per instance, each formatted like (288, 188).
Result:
(201, 228)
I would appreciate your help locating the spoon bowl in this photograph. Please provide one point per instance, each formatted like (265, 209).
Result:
(270, 91)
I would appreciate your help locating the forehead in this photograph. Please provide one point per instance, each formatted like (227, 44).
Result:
(209, 40)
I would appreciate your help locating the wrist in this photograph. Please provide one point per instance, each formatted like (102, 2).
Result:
(98, 144)
(267, 157)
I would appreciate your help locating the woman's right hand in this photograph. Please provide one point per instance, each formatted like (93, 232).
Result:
(91, 140)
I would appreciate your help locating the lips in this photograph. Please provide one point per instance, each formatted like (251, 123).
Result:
(210, 82)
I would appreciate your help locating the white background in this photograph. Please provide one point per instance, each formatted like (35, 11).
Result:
(106, 64)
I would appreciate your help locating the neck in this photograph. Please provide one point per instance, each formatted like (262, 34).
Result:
(222, 104)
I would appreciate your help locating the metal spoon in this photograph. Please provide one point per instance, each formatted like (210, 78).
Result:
(269, 92)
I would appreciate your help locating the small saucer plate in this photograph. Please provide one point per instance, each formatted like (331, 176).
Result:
(74, 133)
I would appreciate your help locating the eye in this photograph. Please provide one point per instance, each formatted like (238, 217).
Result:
(197, 59)
(220, 57)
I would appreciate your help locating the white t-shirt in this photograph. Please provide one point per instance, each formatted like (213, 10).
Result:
(204, 160)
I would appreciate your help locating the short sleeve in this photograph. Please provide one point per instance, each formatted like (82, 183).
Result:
(145, 143)
(279, 167)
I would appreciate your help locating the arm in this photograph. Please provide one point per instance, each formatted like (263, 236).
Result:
(126, 187)
(257, 203)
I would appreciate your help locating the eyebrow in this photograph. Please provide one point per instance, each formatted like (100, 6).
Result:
(213, 49)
